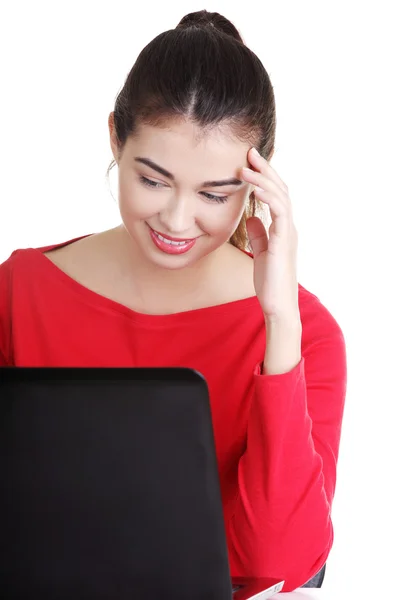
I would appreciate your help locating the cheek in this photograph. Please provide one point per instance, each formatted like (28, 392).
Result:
(134, 201)
(229, 216)
(224, 219)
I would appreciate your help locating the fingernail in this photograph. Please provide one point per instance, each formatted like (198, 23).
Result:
(255, 151)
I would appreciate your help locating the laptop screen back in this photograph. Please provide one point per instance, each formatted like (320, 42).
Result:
(109, 486)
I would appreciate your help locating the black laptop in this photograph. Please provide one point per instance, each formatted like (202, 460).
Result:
(109, 488)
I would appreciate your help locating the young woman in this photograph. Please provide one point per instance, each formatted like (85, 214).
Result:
(175, 285)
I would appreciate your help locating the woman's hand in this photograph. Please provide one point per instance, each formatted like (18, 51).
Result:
(275, 254)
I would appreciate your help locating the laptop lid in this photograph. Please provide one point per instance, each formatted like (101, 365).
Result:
(109, 486)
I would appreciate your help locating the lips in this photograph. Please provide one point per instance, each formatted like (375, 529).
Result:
(171, 245)
(168, 237)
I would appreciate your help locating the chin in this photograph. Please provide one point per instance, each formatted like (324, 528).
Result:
(172, 262)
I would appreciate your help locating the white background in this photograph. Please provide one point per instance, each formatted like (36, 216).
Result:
(336, 80)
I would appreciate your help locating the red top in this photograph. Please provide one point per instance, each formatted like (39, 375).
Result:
(277, 436)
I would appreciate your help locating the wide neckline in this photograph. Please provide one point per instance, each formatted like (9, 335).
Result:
(98, 300)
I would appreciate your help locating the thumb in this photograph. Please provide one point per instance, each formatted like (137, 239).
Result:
(257, 235)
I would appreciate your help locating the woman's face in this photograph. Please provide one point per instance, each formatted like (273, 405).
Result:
(170, 201)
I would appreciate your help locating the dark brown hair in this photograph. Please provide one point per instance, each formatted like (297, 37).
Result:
(203, 72)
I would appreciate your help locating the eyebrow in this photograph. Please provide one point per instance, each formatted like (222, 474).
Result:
(212, 183)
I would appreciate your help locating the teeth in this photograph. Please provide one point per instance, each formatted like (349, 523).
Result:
(160, 237)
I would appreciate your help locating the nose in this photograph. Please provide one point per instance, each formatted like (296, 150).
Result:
(177, 216)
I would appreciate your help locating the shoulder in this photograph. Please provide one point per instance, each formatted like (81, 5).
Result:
(317, 320)
(20, 279)
(21, 258)
(14, 271)
(323, 346)
(18, 259)
(21, 267)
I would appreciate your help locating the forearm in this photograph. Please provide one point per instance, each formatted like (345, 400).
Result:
(283, 345)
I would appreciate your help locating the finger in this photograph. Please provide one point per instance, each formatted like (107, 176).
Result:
(266, 183)
(277, 206)
(264, 166)
(257, 235)
(272, 174)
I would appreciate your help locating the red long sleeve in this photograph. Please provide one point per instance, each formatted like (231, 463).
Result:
(281, 523)
(276, 436)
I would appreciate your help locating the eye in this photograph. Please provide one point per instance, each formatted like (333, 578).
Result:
(157, 185)
(149, 182)
(216, 198)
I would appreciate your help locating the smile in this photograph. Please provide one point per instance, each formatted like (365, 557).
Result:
(168, 241)
(171, 245)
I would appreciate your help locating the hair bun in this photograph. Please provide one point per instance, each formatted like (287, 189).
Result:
(203, 18)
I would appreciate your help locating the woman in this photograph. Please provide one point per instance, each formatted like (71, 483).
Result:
(175, 285)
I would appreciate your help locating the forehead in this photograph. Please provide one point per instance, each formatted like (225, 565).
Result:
(181, 133)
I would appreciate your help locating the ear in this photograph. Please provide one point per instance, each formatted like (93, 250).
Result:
(113, 137)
